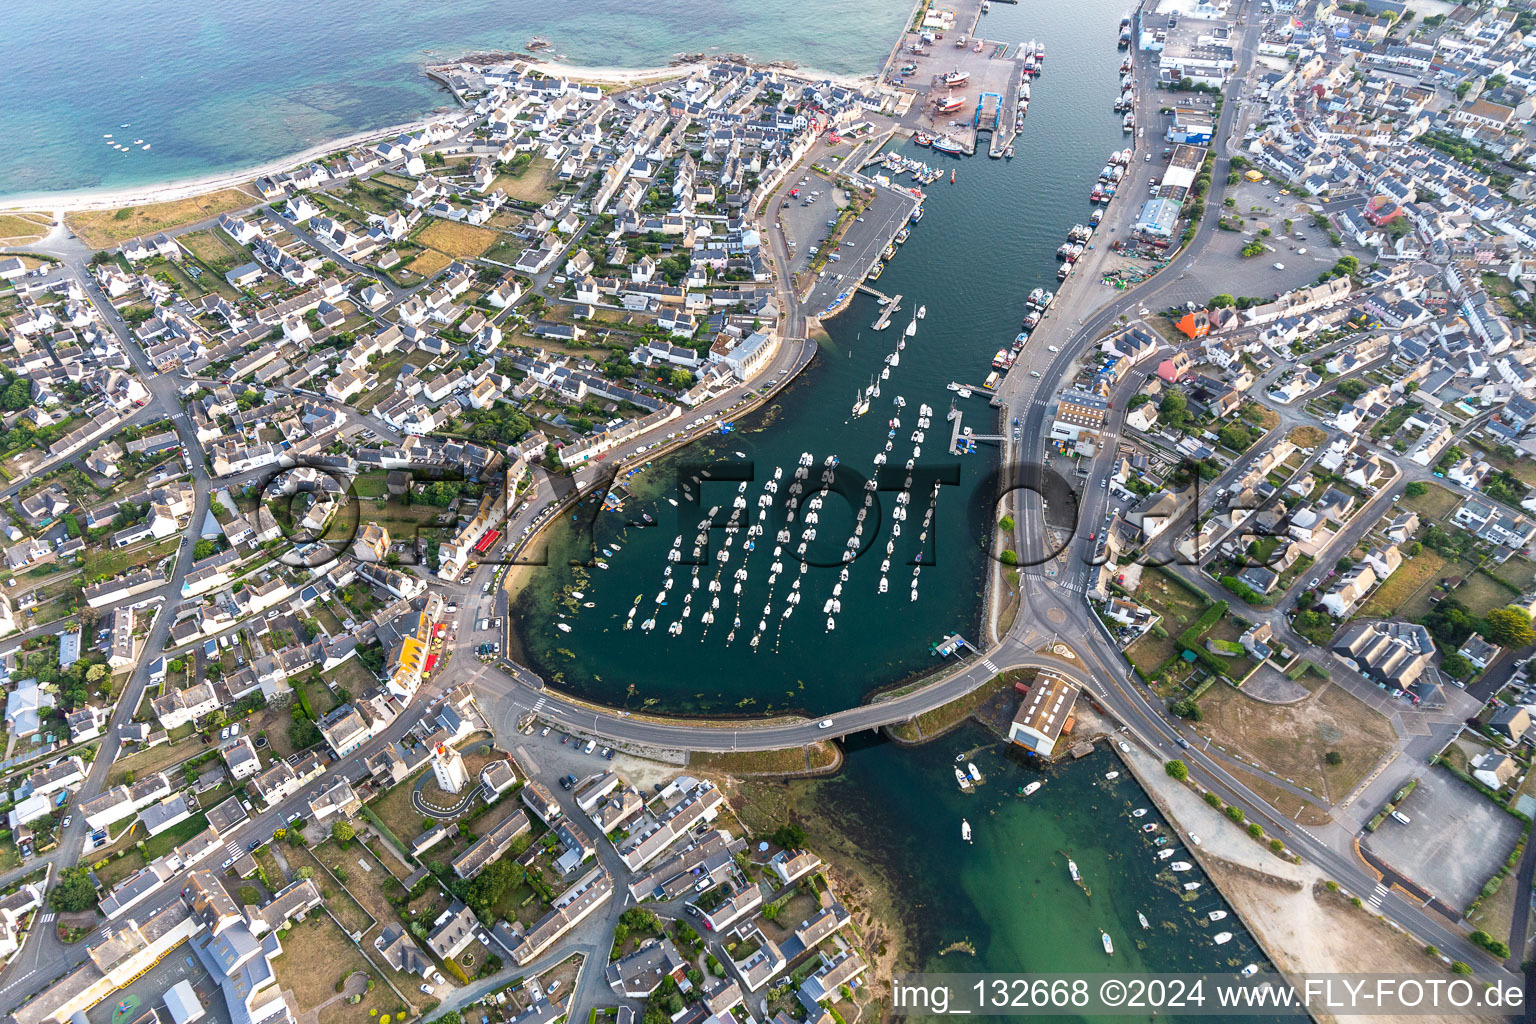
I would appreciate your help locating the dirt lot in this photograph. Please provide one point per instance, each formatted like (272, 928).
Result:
(1407, 588)
(1457, 840)
(1292, 740)
(458, 240)
(102, 228)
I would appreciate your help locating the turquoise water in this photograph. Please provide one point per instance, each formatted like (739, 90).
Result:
(983, 244)
(1008, 895)
(219, 87)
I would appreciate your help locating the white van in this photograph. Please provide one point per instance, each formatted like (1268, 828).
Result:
(1400, 816)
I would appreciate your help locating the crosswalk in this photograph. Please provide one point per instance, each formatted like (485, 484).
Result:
(986, 663)
(47, 917)
(1378, 894)
(539, 705)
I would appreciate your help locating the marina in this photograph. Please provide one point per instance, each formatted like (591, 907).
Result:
(907, 578)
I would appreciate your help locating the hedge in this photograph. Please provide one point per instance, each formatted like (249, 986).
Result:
(1207, 619)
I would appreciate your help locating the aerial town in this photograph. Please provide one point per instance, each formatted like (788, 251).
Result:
(273, 452)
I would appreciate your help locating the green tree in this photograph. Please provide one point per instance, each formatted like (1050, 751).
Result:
(789, 835)
(1008, 557)
(1334, 758)
(1187, 708)
(74, 892)
(1457, 666)
(1417, 489)
(1174, 410)
(1510, 627)
(1177, 769)
(1221, 301)
(203, 549)
(343, 832)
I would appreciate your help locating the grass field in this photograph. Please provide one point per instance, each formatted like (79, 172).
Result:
(396, 812)
(1179, 607)
(18, 228)
(529, 183)
(1517, 572)
(316, 955)
(457, 240)
(215, 248)
(1292, 740)
(1308, 437)
(1482, 594)
(352, 915)
(1409, 587)
(101, 229)
(429, 263)
(1435, 503)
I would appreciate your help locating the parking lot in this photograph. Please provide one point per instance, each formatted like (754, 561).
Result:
(1455, 841)
(806, 225)
(862, 244)
(1221, 267)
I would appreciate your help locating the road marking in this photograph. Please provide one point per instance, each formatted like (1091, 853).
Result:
(1378, 894)
(987, 664)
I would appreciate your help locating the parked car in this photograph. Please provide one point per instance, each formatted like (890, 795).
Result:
(67, 819)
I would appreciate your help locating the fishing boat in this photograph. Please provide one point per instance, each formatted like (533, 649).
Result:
(1072, 870)
(956, 77)
(1217, 915)
(923, 139)
(1222, 939)
(1112, 775)
(965, 830)
(971, 769)
(948, 105)
(1181, 865)
(1032, 788)
(1145, 924)
(1109, 945)
(944, 144)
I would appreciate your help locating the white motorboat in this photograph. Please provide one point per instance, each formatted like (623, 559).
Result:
(1222, 939)
(1181, 865)
(1140, 812)
(1191, 886)
(1032, 788)
(1145, 924)
(1109, 945)
(1112, 775)
(1216, 915)
(922, 311)
(1072, 870)
(1165, 854)
(965, 830)
(971, 768)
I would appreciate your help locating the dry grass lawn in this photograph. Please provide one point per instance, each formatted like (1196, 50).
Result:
(316, 955)
(429, 263)
(1413, 578)
(1292, 740)
(214, 248)
(20, 228)
(458, 240)
(1482, 593)
(1435, 503)
(101, 229)
(1308, 437)
(530, 184)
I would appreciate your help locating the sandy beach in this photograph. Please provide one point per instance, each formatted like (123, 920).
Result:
(139, 195)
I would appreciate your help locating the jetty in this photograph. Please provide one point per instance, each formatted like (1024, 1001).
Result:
(888, 306)
(957, 433)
